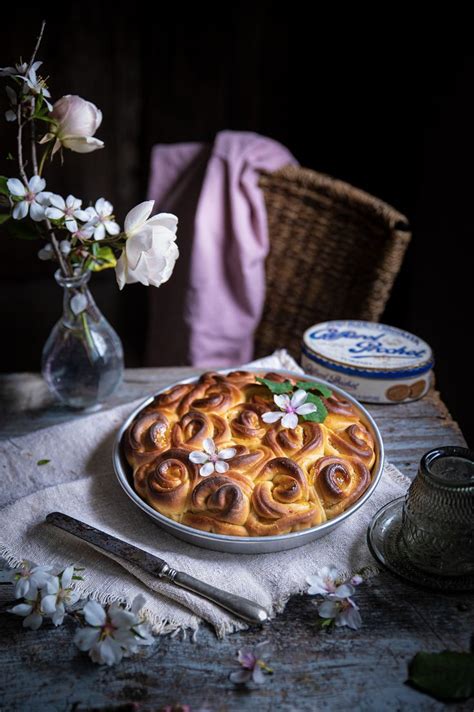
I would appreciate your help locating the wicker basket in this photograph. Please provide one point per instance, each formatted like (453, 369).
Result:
(334, 254)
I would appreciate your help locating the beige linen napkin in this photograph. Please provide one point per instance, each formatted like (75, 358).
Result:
(79, 480)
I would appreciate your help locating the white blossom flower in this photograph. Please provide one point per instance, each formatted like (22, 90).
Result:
(337, 605)
(46, 252)
(77, 120)
(31, 612)
(32, 198)
(343, 611)
(212, 459)
(36, 85)
(112, 634)
(290, 409)
(84, 232)
(58, 594)
(150, 252)
(326, 582)
(68, 210)
(65, 247)
(18, 69)
(28, 578)
(252, 665)
(102, 219)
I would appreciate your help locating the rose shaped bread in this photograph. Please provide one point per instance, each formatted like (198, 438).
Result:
(209, 455)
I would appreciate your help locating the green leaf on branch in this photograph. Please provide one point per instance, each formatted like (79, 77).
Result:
(275, 386)
(446, 676)
(4, 217)
(3, 186)
(307, 386)
(22, 229)
(102, 258)
(320, 414)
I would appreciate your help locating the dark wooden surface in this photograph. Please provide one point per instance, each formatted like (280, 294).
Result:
(313, 670)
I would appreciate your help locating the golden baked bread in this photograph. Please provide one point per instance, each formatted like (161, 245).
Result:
(228, 455)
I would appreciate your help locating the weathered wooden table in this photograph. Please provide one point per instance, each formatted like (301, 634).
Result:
(313, 670)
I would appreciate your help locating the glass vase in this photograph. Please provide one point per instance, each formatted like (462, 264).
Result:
(82, 360)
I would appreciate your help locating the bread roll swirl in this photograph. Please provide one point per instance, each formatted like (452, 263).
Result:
(338, 482)
(167, 482)
(276, 481)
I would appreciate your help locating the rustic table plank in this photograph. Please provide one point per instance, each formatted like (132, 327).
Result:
(314, 670)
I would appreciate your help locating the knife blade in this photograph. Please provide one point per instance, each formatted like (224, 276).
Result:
(242, 607)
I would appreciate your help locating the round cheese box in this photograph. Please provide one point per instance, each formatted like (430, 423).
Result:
(374, 362)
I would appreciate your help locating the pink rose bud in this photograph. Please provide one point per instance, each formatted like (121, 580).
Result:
(77, 121)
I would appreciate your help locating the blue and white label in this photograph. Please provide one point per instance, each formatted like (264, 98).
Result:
(367, 345)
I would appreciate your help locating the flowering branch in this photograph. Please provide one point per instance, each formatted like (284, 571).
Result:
(76, 238)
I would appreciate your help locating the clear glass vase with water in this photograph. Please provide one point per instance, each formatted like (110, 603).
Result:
(82, 359)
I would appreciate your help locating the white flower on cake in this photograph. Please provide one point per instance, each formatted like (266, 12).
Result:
(113, 634)
(150, 251)
(290, 409)
(68, 210)
(210, 458)
(32, 198)
(58, 594)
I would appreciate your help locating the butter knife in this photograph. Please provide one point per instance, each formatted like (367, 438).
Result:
(241, 607)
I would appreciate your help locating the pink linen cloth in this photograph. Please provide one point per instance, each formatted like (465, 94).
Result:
(223, 241)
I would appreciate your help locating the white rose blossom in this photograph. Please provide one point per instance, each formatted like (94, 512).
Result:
(101, 218)
(32, 198)
(290, 409)
(210, 458)
(113, 634)
(77, 120)
(68, 210)
(150, 251)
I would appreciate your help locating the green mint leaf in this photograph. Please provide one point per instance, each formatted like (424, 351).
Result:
(275, 387)
(307, 386)
(42, 462)
(446, 676)
(320, 414)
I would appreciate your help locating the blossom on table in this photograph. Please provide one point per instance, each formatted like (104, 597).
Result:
(252, 665)
(290, 409)
(76, 121)
(58, 594)
(68, 210)
(113, 634)
(31, 612)
(150, 252)
(32, 198)
(101, 218)
(336, 605)
(28, 578)
(343, 611)
(210, 458)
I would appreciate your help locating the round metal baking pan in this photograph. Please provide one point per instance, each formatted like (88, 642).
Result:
(237, 544)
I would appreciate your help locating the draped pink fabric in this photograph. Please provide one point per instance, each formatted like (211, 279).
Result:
(223, 235)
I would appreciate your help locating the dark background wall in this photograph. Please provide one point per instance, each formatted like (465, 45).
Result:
(385, 103)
